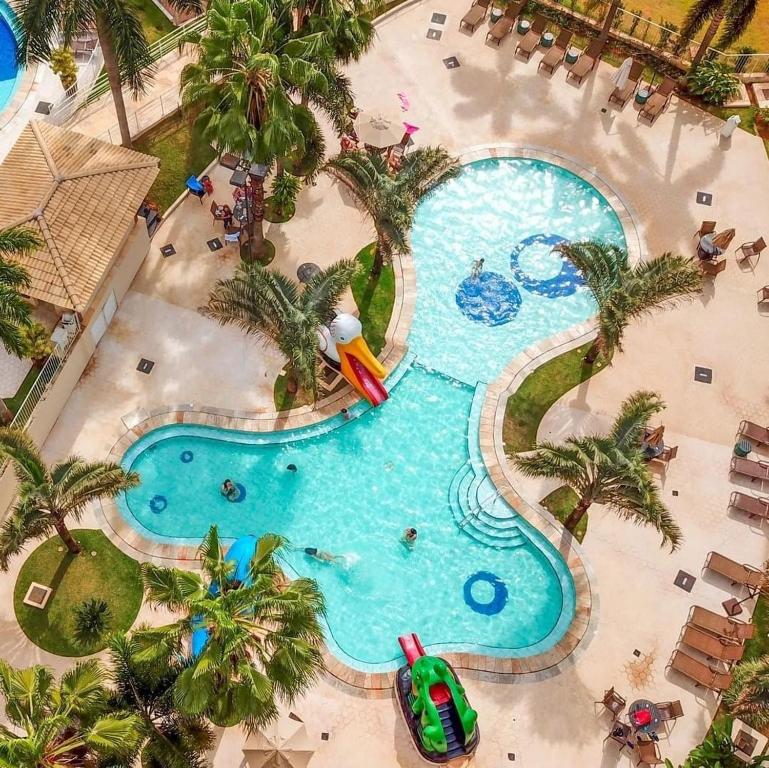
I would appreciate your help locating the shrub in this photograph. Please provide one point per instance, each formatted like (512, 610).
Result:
(63, 64)
(713, 82)
(91, 619)
(37, 344)
(285, 188)
(761, 118)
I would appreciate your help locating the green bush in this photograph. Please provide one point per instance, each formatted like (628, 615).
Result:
(63, 64)
(37, 344)
(713, 82)
(761, 117)
(91, 619)
(285, 188)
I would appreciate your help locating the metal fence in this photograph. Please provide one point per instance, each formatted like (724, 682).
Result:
(47, 374)
(149, 114)
(87, 75)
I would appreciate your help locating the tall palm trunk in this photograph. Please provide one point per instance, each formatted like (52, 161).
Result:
(256, 227)
(708, 39)
(573, 520)
(611, 14)
(381, 251)
(58, 523)
(113, 74)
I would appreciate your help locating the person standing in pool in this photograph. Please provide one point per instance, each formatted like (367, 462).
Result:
(477, 268)
(409, 537)
(229, 490)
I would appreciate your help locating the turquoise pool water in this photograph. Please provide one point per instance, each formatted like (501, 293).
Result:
(501, 589)
(10, 73)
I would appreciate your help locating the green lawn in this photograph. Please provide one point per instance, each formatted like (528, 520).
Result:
(182, 153)
(14, 403)
(154, 22)
(375, 297)
(560, 503)
(111, 575)
(539, 391)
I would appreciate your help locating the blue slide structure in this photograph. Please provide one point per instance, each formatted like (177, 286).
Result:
(241, 553)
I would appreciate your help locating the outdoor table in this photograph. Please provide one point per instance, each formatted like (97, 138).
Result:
(523, 26)
(305, 272)
(238, 178)
(495, 15)
(644, 705)
(572, 55)
(652, 451)
(642, 95)
(547, 40)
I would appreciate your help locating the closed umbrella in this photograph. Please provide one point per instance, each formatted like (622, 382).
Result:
(284, 743)
(654, 438)
(723, 239)
(377, 130)
(620, 77)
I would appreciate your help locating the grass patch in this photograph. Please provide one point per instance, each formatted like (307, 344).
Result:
(271, 215)
(758, 645)
(375, 297)
(182, 151)
(540, 389)
(267, 256)
(111, 575)
(560, 504)
(154, 22)
(14, 403)
(284, 400)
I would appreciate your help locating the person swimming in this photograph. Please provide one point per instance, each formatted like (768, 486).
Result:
(409, 537)
(324, 557)
(477, 268)
(292, 468)
(229, 490)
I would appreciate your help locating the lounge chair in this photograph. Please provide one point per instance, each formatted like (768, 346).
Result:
(713, 647)
(557, 53)
(702, 674)
(755, 470)
(712, 268)
(763, 294)
(475, 15)
(750, 505)
(587, 61)
(738, 573)
(747, 250)
(669, 710)
(754, 432)
(530, 40)
(504, 26)
(657, 102)
(648, 753)
(613, 702)
(725, 626)
(706, 228)
(622, 95)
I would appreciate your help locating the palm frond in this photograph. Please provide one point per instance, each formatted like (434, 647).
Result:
(130, 44)
(699, 13)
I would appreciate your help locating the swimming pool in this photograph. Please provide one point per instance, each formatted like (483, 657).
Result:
(10, 72)
(494, 586)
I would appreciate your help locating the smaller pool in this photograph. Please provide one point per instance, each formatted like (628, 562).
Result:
(10, 72)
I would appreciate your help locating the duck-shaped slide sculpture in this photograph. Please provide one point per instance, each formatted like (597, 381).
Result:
(344, 348)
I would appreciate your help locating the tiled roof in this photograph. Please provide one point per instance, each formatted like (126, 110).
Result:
(81, 195)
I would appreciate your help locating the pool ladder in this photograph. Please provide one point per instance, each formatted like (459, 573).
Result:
(473, 513)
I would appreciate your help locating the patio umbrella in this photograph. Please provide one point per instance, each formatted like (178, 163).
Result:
(378, 131)
(284, 743)
(723, 239)
(620, 77)
(654, 438)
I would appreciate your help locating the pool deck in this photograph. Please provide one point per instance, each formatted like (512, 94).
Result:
(495, 98)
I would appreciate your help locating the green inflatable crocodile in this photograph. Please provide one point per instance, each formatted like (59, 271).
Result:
(427, 671)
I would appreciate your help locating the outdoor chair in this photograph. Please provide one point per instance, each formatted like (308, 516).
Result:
(528, 43)
(753, 506)
(704, 676)
(656, 103)
(706, 228)
(587, 61)
(620, 733)
(669, 710)
(738, 573)
(648, 753)
(721, 648)
(755, 432)
(746, 250)
(557, 53)
(755, 470)
(712, 268)
(613, 702)
(475, 15)
(724, 626)
(763, 294)
(668, 454)
(504, 26)
(622, 95)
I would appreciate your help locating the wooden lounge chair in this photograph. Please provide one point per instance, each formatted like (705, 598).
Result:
(475, 15)
(648, 753)
(669, 710)
(587, 61)
(706, 228)
(504, 26)
(754, 432)
(622, 95)
(557, 53)
(755, 470)
(712, 268)
(746, 250)
(713, 647)
(703, 675)
(657, 102)
(528, 43)
(750, 505)
(725, 626)
(738, 573)
(613, 702)
(763, 294)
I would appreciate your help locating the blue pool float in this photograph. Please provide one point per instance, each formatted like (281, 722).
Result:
(497, 602)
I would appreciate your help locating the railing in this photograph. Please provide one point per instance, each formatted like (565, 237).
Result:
(47, 374)
(87, 76)
(149, 114)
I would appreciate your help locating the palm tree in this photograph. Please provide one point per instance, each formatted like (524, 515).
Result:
(249, 65)
(48, 496)
(169, 738)
(264, 635)
(608, 469)
(64, 724)
(391, 198)
(127, 58)
(738, 15)
(624, 293)
(278, 310)
(748, 695)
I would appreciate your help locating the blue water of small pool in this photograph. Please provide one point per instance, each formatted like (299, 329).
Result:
(359, 483)
(10, 73)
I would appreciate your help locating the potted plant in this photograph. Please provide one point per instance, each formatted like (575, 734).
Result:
(37, 343)
(281, 205)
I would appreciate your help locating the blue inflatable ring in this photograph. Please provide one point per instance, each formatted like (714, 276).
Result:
(186, 457)
(499, 600)
(565, 283)
(158, 504)
(241, 495)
